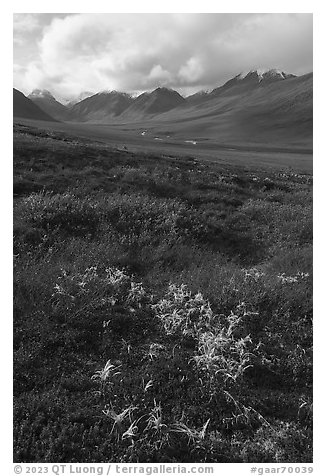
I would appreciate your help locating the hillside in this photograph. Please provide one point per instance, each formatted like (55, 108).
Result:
(257, 107)
(25, 108)
(100, 107)
(251, 80)
(158, 101)
(283, 112)
(46, 101)
(272, 111)
(270, 107)
(69, 102)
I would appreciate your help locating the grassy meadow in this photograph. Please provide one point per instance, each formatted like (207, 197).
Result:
(162, 307)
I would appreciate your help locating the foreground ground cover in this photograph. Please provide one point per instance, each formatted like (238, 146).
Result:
(162, 307)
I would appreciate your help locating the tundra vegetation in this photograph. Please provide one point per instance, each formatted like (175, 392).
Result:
(162, 307)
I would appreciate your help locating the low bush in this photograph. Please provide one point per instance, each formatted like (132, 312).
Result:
(162, 307)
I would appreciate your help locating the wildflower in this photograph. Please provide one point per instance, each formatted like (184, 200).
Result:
(106, 373)
(115, 276)
(180, 311)
(193, 435)
(154, 350)
(154, 421)
(253, 273)
(131, 431)
(292, 279)
(118, 418)
(148, 385)
(136, 292)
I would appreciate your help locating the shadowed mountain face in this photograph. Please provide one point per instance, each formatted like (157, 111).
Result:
(252, 80)
(156, 102)
(197, 98)
(282, 111)
(83, 95)
(105, 106)
(270, 107)
(45, 101)
(25, 108)
(242, 84)
(101, 107)
(250, 109)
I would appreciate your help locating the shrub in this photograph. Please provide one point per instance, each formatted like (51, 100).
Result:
(64, 212)
(183, 287)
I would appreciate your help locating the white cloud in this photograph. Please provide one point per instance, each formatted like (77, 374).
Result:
(141, 51)
(192, 71)
(160, 75)
(25, 22)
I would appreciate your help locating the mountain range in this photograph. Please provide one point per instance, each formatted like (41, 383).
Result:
(100, 107)
(24, 107)
(46, 101)
(254, 106)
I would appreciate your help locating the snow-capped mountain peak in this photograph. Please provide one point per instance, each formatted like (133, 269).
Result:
(74, 99)
(264, 73)
(41, 93)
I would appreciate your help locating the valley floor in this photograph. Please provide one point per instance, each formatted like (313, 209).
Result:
(151, 138)
(162, 300)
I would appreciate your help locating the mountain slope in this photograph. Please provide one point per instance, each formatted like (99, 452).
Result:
(251, 80)
(74, 100)
(283, 112)
(45, 101)
(276, 111)
(101, 107)
(240, 84)
(197, 98)
(270, 107)
(156, 102)
(25, 108)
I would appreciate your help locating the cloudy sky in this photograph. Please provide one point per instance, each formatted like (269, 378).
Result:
(71, 53)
